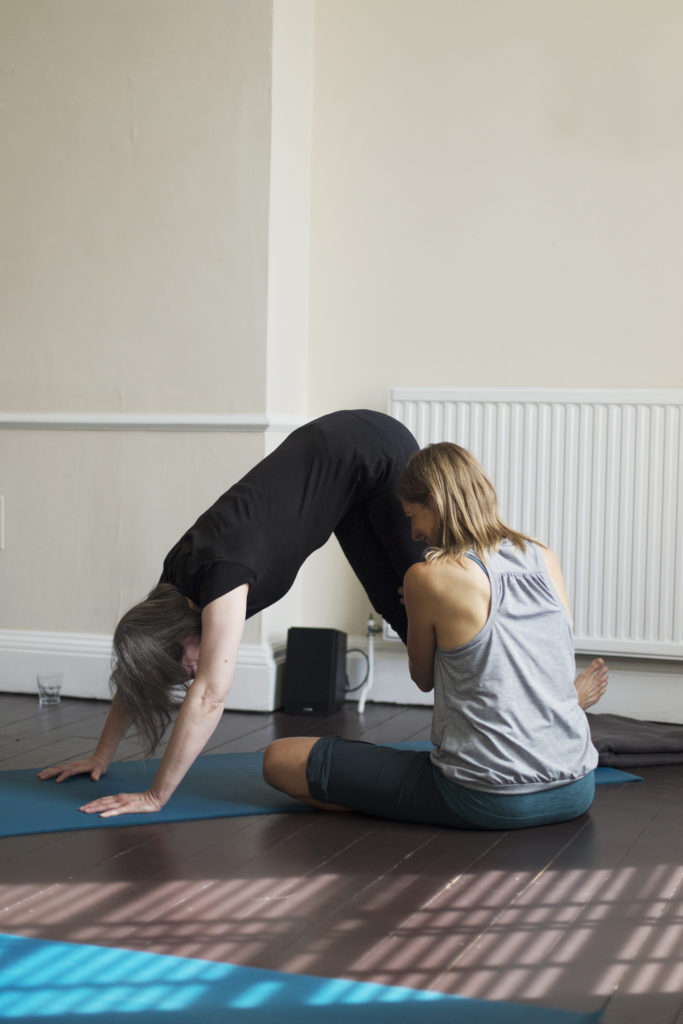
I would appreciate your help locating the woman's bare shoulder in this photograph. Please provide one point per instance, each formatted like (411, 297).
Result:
(437, 575)
(454, 596)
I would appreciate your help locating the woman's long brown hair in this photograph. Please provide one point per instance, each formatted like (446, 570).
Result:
(147, 674)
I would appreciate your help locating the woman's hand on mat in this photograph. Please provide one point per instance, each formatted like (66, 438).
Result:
(92, 766)
(123, 803)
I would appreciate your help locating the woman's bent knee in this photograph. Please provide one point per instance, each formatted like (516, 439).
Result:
(272, 762)
(284, 764)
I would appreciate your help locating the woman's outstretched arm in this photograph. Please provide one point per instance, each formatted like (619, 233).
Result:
(222, 627)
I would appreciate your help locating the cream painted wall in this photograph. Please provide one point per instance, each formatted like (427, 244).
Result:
(289, 209)
(154, 259)
(496, 200)
(136, 140)
(496, 195)
(90, 516)
(134, 262)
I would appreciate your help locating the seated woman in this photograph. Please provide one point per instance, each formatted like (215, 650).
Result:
(489, 630)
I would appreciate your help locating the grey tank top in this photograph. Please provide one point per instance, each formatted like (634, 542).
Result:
(506, 713)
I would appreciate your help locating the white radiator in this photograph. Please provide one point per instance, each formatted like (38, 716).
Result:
(595, 474)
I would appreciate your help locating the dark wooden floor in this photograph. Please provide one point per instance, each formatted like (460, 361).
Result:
(577, 916)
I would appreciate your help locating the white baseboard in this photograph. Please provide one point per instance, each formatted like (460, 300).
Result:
(646, 689)
(84, 662)
(651, 690)
(392, 683)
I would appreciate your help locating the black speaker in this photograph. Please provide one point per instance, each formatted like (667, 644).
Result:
(315, 671)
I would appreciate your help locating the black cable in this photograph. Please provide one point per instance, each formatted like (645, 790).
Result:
(358, 650)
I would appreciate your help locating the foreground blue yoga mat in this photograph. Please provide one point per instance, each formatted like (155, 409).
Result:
(217, 786)
(61, 982)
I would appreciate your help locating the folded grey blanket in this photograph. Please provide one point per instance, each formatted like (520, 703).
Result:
(629, 743)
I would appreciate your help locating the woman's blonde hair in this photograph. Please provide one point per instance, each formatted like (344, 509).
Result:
(450, 479)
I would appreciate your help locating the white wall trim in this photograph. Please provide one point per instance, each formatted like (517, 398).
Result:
(22, 641)
(646, 689)
(85, 660)
(229, 423)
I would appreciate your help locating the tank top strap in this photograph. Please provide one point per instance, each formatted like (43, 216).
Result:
(475, 558)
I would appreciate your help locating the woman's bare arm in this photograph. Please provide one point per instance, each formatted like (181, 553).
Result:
(421, 642)
(447, 603)
(222, 627)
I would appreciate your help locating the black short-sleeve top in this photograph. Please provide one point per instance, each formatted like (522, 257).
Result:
(264, 527)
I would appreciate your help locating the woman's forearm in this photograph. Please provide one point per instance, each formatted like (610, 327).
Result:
(423, 679)
(197, 720)
(222, 626)
(116, 726)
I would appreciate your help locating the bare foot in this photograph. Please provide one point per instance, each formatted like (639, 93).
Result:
(592, 683)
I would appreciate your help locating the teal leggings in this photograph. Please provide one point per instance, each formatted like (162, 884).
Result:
(404, 785)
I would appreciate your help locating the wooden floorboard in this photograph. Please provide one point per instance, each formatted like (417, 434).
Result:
(579, 915)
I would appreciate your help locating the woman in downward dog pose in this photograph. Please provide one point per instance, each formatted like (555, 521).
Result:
(489, 631)
(337, 474)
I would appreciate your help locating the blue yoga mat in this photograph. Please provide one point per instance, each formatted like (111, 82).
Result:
(216, 786)
(61, 982)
